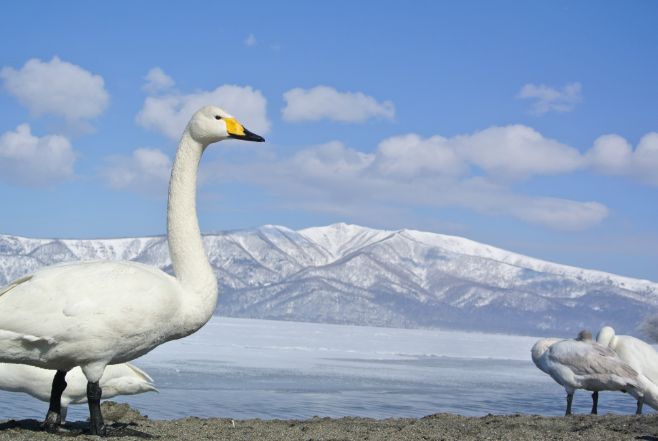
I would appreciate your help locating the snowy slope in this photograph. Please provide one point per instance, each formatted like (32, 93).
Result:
(351, 274)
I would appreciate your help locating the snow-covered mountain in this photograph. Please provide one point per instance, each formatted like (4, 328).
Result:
(351, 274)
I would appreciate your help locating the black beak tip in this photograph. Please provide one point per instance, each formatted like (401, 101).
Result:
(249, 136)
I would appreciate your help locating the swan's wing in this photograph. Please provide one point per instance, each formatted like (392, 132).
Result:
(589, 359)
(21, 346)
(83, 305)
(14, 284)
(140, 373)
(26, 338)
(640, 355)
(125, 379)
(126, 370)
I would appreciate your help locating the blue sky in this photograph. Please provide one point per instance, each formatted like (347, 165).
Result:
(526, 125)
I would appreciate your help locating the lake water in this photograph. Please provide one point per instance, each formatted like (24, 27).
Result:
(241, 368)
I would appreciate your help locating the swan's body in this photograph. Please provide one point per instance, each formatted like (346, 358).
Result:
(111, 312)
(99, 313)
(118, 379)
(586, 365)
(639, 355)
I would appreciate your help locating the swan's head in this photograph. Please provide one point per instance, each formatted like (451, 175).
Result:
(584, 335)
(605, 335)
(212, 124)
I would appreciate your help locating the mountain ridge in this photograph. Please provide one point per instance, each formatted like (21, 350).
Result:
(345, 273)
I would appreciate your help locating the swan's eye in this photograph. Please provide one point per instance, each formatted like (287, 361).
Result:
(218, 117)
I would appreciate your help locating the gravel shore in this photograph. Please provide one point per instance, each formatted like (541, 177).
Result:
(130, 425)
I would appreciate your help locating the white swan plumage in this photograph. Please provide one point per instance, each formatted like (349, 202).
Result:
(585, 364)
(639, 355)
(118, 379)
(93, 314)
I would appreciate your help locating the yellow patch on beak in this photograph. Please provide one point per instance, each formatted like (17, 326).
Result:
(233, 127)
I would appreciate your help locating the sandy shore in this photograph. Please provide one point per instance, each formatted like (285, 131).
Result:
(129, 425)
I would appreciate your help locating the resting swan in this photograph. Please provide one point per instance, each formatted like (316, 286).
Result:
(639, 355)
(92, 314)
(585, 364)
(118, 379)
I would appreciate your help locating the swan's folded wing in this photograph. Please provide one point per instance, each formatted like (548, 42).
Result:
(589, 359)
(14, 284)
(25, 339)
(140, 373)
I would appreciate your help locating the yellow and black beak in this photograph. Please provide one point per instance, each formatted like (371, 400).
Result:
(237, 131)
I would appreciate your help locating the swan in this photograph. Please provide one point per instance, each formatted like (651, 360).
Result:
(93, 314)
(585, 364)
(639, 355)
(118, 379)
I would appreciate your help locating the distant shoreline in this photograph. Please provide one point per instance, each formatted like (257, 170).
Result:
(130, 425)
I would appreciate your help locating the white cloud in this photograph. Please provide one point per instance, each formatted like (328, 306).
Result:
(30, 160)
(516, 151)
(322, 102)
(168, 114)
(550, 99)
(613, 155)
(411, 155)
(560, 214)
(250, 40)
(145, 171)
(645, 158)
(329, 160)
(58, 88)
(157, 81)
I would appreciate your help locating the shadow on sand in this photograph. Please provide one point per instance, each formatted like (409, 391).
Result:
(114, 430)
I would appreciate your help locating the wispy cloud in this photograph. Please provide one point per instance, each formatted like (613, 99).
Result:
(250, 40)
(322, 102)
(157, 81)
(145, 171)
(548, 99)
(408, 172)
(168, 113)
(57, 88)
(26, 159)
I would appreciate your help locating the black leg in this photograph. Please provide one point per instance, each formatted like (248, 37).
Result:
(640, 403)
(96, 425)
(569, 400)
(595, 402)
(54, 415)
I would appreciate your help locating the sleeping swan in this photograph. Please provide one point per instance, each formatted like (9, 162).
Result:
(118, 379)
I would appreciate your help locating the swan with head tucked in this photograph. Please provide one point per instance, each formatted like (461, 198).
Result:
(92, 314)
(585, 364)
(639, 355)
(118, 379)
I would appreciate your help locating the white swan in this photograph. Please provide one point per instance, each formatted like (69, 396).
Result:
(118, 379)
(97, 313)
(585, 364)
(639, 355)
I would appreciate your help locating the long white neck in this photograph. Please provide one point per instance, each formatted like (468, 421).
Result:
(188, 256)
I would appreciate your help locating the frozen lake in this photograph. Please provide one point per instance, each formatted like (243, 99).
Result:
(241, 368)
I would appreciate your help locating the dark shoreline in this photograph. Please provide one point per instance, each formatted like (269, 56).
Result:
(129, 425)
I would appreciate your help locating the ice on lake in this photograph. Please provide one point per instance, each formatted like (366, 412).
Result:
(243, 368)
